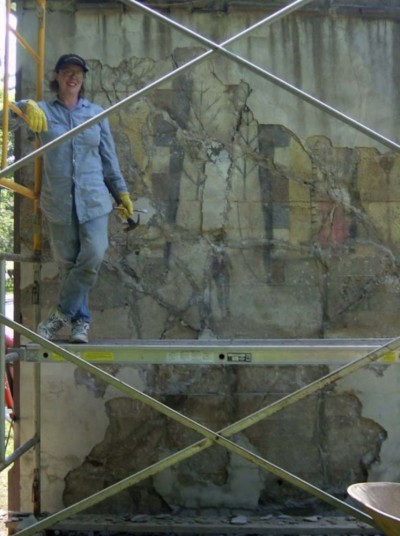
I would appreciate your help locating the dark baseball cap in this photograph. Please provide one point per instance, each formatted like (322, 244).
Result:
(70, 59)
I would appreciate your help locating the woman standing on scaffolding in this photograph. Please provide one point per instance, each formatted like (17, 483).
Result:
(74, 197)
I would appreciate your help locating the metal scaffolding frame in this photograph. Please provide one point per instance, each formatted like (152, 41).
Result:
(210, 437)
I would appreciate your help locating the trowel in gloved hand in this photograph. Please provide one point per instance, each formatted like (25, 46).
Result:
(132, 224)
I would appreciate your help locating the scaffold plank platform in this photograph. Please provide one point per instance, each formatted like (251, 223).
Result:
(216, 352)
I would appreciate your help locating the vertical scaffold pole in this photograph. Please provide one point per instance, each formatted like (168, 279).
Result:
(37, 246)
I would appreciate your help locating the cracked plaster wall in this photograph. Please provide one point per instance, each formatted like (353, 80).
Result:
(267, 219)
(326, 439)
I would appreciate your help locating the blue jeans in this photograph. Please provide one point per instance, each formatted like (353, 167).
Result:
(79, 251)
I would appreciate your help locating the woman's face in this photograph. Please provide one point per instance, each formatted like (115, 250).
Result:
(70, 80)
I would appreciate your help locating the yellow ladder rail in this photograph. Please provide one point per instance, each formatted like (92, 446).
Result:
(33, 194)
(38, 56)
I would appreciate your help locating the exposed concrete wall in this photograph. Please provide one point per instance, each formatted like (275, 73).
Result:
(267, 218)
(94, 437)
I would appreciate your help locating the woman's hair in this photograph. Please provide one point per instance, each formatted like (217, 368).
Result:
(54, 86)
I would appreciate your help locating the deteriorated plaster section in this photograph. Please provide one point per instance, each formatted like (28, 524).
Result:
(335, 444)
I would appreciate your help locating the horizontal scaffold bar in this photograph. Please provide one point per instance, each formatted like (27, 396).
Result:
(217, 352)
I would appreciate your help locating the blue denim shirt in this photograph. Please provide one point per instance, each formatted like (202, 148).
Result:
(76, 169)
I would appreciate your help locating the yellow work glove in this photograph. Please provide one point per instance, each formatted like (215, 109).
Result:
(126, 209)
(37, 120)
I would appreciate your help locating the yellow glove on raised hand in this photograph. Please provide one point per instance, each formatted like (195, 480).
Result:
(126, 209)
(37, 120)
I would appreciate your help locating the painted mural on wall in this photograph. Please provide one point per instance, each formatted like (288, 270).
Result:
(251, 231)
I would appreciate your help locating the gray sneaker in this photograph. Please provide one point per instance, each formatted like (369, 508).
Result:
(55, 321)
(79, 331)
